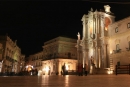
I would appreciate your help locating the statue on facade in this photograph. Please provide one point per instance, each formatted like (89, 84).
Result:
(92, 60)
(78, 36)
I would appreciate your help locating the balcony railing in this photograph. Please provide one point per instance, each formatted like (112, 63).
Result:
(117, 51)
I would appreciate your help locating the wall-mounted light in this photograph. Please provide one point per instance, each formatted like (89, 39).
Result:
(110, 71)
(110, 51)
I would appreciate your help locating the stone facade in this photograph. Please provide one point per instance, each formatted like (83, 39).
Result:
(101, 36)
(56, 52)
(10, 56)
(59, 51)
(22, 63)
(35, 61)
(119, 42)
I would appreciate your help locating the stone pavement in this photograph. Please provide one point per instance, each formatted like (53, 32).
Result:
(121, 80)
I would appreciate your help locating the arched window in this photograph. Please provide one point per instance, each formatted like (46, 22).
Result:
(116, 29)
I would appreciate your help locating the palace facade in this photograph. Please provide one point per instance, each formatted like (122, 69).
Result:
(56, 52)
(11, 59)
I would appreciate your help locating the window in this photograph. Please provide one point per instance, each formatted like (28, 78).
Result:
(116, 29)
(117, 47)
(128, 25)
(69, 55)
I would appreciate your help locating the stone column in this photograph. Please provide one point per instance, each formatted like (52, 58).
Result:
(84, 22)
(59, 68)
(98, 24)
(96, 63)
(94, 25)
(80, 57)
(105, 60)
(99, 51)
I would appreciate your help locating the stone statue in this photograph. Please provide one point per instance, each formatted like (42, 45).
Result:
(78, 36)
(92, 60)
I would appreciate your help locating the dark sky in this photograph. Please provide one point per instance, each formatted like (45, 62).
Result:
(33, 23)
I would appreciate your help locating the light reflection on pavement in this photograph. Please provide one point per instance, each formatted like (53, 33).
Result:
(66, 81)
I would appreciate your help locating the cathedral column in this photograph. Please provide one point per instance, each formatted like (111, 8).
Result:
(81, 57)
(84, 58)
(98, 24)
(99, 51)
(96, 63)
(94, 25)
(78, 55)
(105, 56)
(84, 23)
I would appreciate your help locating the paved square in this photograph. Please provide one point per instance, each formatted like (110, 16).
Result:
(66, 81)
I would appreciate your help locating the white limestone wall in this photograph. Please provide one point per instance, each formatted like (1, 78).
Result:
(122, 37)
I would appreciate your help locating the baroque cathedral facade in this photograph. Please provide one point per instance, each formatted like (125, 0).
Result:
(104, 41)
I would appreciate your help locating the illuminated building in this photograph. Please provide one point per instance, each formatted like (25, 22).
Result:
(105, 40)
(11, 59)
(22, 62)
(58, 51)
(35, 62)
(55, 53)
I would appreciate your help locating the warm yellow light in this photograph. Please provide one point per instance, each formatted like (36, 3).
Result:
(67, 68)
(106, 28)
(110, 51)
(109, 71)
(39, 73)
(46, 69)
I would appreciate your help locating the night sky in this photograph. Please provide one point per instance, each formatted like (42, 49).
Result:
(33, 23)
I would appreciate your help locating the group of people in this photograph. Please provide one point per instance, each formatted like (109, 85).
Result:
(81, 69)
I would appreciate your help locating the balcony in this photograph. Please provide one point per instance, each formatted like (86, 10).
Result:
(117, 51)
